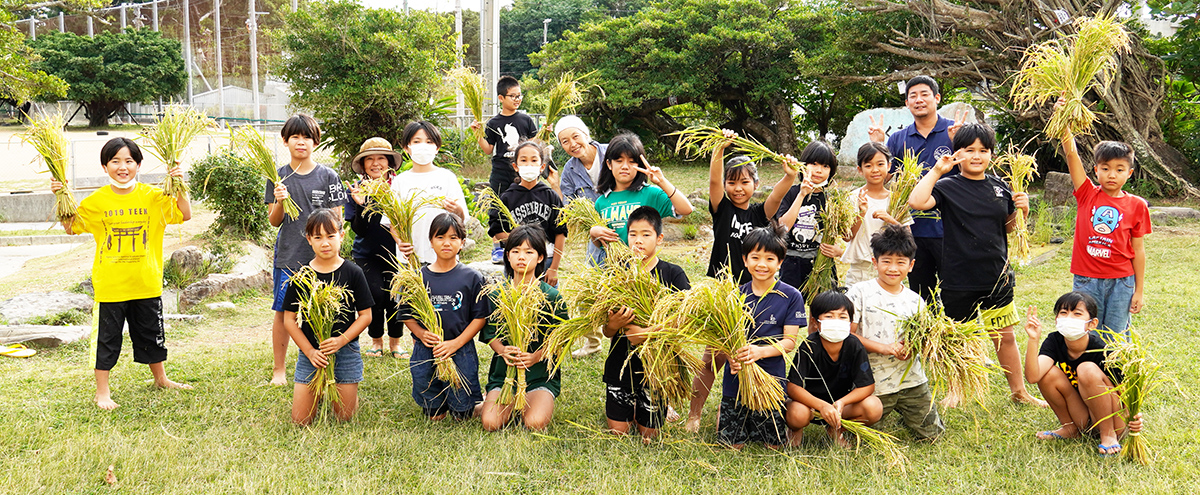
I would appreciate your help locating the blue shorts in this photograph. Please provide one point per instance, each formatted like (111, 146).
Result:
(279, 279)
(432, 394)
(1113, 296)
(347, 366)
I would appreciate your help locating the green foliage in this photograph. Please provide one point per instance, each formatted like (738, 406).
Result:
(364, 72)
(233, 188)
(112, 69)
(62, 318)
(178, 277)
(21, 80)
(521, 29)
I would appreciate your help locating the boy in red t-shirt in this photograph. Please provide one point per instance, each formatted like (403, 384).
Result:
(1109, 257)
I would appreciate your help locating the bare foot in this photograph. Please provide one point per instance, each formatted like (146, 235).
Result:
(279, 378)
(167, 383)
(835, 434)
(1023, 397)
(692, 425)
(1063, 432)
(951, 401)
(672, 415)
(438, 417)
(105, 402)
(794, 438)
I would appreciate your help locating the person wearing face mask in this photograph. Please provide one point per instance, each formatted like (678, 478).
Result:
(800, 213)
(421, 141)
(1070, 372)
(532, 202)
(831, 374)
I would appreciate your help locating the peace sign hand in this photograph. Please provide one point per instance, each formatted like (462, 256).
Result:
(875, 129)
(655, 174)
(960, 118)
(947, 163)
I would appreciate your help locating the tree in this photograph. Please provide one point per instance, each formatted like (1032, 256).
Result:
(980, 43)
(521, 29)
(364, 72)
(19, 80)
(113, 69)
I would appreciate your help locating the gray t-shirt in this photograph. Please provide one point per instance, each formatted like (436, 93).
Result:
(321, 188)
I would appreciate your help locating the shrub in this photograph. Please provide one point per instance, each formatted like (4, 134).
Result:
(235, 190)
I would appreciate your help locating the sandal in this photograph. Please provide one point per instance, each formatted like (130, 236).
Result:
(400, 354)
(16, 351)
(373, 353)
(1104, 448)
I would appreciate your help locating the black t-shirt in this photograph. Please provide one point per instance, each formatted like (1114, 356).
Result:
(539, 205)
(505, 132)
(803, 236)
(825, 378)
(455, 296)
(975, 237)
(1055, 347)
(730, 225)
(371, 241)
(348, 275)
(619, 372)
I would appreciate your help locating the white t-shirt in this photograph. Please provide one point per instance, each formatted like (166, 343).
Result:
(859, 247)
(438, 182)
(876, 311)
(594, 172)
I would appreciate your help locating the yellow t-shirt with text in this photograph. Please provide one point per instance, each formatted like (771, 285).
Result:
(128, 229)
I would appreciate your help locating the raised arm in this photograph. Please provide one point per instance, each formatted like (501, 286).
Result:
(791, 169)
(1036, 365)
(1071, 154)
(921, 197)
(716, 170)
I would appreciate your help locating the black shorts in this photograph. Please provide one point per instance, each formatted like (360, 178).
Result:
(964, 305)
(144, 317)
(924, 275)
(737, 425)
(624, 405)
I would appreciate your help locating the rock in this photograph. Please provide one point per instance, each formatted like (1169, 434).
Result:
(221, 305)
(44, 335)
(490, 271)
(894, 119)
(1059, 191)
(218, 283)
(25, 307)
(178, 317)
(1174, 211)
(86, 286)
(1057, 240)
(188, 259)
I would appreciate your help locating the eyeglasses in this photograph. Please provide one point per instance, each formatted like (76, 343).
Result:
(517, 96)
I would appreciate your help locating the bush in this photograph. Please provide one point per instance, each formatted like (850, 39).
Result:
(235, 190)
(63, 318)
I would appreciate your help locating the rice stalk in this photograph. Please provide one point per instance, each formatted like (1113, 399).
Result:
(564, 95)
(884, 443)
(955, 354)
(519, 308)
(579, 216)
(701, 140)
(471, 85)
(248, 144)
(837, 218)
(1018, 169)
(667, 362)
(1071, 66)
(170, 137)
(489, 201)
(906, 179)
(320, 303)
(409, 289)
(1141, 377)
(46, 137)
(400, 212)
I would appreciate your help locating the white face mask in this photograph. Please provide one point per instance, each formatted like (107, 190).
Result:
(1071, 328)
(529, 172)
(122, 185)
(822, 184)
(835, 330)
(422, 153)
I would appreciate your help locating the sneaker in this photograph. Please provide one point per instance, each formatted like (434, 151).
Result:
(497, 254)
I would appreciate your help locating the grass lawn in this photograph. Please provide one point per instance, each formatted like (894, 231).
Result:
(232, 434)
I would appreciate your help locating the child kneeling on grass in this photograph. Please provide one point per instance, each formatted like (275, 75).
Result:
(1070, 372)
(831, 374)
(900, 382)
(128, 277)
(323, 230)
(778, 310)
(454, 291)
(524, 263)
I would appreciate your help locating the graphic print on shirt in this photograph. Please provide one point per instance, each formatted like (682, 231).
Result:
(532, 212)
(805, 228)
(447, 302)
(1105, 219)
(124, 230)
(738, 230)
(939, 152)
(511, 139)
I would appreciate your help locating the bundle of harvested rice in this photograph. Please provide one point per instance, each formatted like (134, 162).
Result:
(471, 85)
(172, 135)
(564, 95)
(320, 303)
(884, 443)
(955, 354)
(409, 289)
(837, 218)
(46, 136)
(1018, 169)
(579, 216)
(667, 362)
(400, 212)
(906, 179)
(248, 144)
(489, 201)
(519, 308)
(701, 141)
(1141, 377)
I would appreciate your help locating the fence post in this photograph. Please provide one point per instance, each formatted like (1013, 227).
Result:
(62, 23)
(154, 12)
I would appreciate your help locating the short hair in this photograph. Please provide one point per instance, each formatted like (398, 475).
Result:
(895, 240)
(629, 146)
(868, 150)
(822, 153)
(444, 222)
(646, 213)
(537, 144)
(301, 124)
(506, 83)
(827, 301)
(411, 129)
(766, 239)
(919, 80)
(322, 220)
(969, 133)
(535, 237)
(1112, 150)
(114, 145)
(739, 166)
(1071, 300)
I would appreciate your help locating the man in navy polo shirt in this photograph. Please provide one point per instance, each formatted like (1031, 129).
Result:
(929, 137)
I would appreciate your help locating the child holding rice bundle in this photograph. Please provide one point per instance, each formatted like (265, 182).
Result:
(454, 292)
(900, 382)
(127, 270)
(1070, 370)
(532, 201)
(524, 257)
(424, 182)
(323, 231)
(800, 214)
(872, 200)
(831, 374)
(978, 210)
(310, 186)
(628, 401)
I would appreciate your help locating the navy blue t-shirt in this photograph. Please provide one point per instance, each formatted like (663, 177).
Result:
(928, 150)
(455, 296)
(783, 305)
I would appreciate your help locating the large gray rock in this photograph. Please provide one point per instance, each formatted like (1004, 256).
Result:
(44, 335)
(489, 271)
(893, 118)
(25, 307)
(1174, 211)
(219, 283)
(188, 258)
(1059, 190)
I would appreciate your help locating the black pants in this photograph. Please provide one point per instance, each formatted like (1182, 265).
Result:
(924, 275)
(145, 332)
(385, 311)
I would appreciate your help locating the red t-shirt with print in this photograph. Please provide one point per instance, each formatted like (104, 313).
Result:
(1104, 230)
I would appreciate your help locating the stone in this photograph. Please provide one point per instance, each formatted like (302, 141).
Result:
(1059, 190)
(490, 271)
(894, 119)
(25, 307)
(86, 286)
(219, 283)
(43, 335)
(1057, 240)
(221, 305)
(1174, 211)
(188, 259)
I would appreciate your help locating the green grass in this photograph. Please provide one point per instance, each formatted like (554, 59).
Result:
(232, 434)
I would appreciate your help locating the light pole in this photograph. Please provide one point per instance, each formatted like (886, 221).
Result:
(545, 29)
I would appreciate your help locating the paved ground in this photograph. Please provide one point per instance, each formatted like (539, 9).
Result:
(12, 258)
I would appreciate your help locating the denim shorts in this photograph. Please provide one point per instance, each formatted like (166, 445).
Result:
(347, 367)
(434, 395)
(280, 278)
(1113, 296)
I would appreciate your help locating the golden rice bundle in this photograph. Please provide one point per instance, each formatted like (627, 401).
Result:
(168, 139)
(471, 85)
(1018, 169)
(955, 354)
(906, 179)
(1070, 67)
(489, 201)
(1141, 378)
(248, 144)
(837, 218)
(518, 309)
(579, 216)
(47, 138)
(668, 364)
(701, 140)
(320, 303)
(400, 212)
(884, 443)
(409, 289)
(564, 95)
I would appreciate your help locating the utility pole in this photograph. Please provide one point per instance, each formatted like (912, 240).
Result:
(295, 5)
(122, 18)
(187, 45)
(220, 63)
(62, 22)
(545, 29)
(154, 12)
(252, 23)
(458, 45)
(91, 31)
(32, 28)
(489, 51)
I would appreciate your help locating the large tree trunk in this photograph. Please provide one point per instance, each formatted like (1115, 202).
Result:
(98, 112)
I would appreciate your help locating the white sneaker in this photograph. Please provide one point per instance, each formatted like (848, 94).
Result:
(585, 351)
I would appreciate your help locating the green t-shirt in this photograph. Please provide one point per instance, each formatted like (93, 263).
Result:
(616, 206)
(537, 376)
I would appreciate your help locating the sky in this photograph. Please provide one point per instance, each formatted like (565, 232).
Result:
(438, 5)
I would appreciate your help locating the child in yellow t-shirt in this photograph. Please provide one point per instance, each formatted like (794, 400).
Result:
(127, 220)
